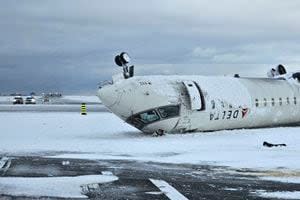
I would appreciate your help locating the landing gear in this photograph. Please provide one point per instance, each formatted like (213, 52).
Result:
(159, 132)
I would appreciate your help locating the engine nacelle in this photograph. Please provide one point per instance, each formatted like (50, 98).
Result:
(296, 76)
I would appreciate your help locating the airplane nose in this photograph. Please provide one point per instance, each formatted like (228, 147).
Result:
(108, 96)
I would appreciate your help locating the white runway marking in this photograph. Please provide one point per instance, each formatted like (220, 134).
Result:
(7, 165)
(3, 161)
(168, 190)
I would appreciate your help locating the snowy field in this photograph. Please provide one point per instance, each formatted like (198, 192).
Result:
(54, 186)
(68, 99)
(51, 108)
(104, 136)
(101, 135)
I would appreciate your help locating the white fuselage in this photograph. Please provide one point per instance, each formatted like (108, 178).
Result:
(203, 103)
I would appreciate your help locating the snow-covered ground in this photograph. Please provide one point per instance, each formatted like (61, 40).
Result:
(101, 135)
(51, 108)
(78, 98)
(104, 136)
(68, 187)
(73, 99)
(6, 99)
(279, 195)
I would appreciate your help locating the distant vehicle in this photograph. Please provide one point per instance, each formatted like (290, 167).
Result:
(18, 100)
(46, 100)
(30, 100)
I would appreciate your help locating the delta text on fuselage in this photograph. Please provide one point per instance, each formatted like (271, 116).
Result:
(159, 104)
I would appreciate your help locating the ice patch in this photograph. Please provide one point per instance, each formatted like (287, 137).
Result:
(279, 195)
(107, 173)
(67, 187)
(154, 193)
(231, 189)
(283, 179)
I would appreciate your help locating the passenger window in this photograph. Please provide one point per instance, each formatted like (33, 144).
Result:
(265, 102)
(295, 100)
(287, 101)
(273, 102)
(213, 104)
(280, 101)
(169, 111)
(256, 103)
(223, 104)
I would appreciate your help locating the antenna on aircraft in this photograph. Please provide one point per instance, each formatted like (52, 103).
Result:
(123, 60)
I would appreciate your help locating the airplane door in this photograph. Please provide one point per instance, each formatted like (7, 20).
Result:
(194, 93)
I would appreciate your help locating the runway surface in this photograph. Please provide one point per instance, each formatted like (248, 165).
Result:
(136, 180)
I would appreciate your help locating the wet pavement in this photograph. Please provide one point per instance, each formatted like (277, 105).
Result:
(137, 180)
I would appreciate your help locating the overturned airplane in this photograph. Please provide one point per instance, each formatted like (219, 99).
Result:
(159, 104)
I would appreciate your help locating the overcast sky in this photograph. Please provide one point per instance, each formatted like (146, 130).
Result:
(69, 46)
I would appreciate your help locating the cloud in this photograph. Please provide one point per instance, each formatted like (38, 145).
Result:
(253, 53)
(204, 52)
(70, 45)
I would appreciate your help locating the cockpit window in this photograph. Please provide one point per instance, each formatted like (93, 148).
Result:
(168, 111)
(148, 117)
(144, 118)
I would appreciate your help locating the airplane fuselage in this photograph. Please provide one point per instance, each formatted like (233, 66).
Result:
(203, 103)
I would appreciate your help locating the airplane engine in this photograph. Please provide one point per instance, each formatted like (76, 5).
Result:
(296, 76)
(279, 70)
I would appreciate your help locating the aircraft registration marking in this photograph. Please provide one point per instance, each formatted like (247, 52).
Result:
(229, 114)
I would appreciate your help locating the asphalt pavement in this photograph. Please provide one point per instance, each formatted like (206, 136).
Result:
(145, 180)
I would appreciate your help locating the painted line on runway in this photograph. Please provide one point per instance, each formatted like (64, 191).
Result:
(168, 190)
(5, 163)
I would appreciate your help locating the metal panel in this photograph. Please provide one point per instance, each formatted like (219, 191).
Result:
(194, 95)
